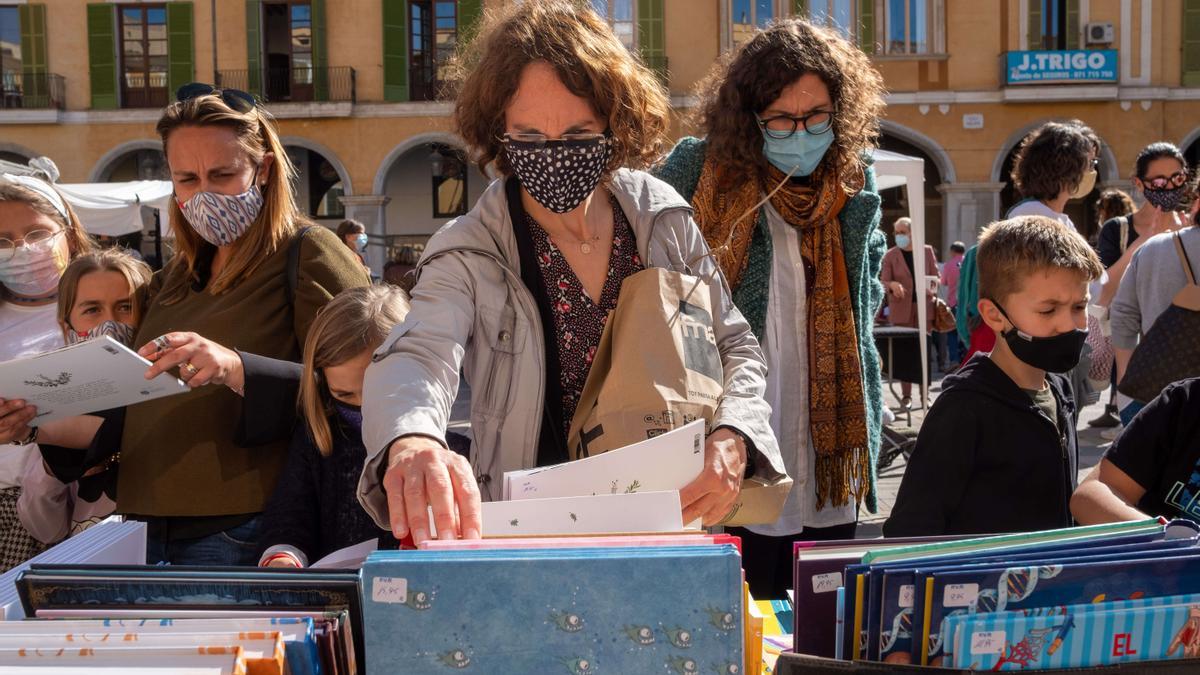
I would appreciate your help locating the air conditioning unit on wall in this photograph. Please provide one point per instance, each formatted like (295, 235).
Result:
(1098, 33)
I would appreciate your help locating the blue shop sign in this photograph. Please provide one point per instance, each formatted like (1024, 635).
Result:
(1071, 66)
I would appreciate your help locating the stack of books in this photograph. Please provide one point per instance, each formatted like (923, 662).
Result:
(1069, 598)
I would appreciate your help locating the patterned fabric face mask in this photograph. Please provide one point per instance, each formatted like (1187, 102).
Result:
(223, 219)
(121, 332)
(559, 175)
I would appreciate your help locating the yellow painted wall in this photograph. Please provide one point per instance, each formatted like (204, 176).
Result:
(975, 44)
(693, 41)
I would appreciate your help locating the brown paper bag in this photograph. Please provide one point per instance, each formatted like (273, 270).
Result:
(658, 368)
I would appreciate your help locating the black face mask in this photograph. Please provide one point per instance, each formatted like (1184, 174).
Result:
(1058, 354)
(1166, 199)
(559, 175)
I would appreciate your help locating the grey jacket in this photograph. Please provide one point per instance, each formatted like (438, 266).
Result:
(472, 312)
(1150, 283)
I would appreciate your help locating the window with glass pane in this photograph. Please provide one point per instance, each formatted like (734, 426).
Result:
(1053, 24)
(907, 26)
(433, 36)
(619, 13)
(839, 14)
(143, 31)
(746, 16)
(301, 38)
(10, 57)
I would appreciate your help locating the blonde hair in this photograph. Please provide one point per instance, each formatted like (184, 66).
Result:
(279, 218)
(1013, 249)
(137, 274)
(78, 241)
(356, 320)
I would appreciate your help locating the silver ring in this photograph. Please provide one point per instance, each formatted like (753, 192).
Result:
(162, 343)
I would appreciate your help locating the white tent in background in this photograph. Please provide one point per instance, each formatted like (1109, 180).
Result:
(114, 209)
(895, 170)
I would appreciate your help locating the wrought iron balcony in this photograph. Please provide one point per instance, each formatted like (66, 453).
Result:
(294, 84)
(32, 90)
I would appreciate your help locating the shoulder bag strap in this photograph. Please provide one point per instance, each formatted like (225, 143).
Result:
(1124, 243)
(293, 264)
(1187, 265)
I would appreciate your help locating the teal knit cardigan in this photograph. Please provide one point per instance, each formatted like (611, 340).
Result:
(863, 246)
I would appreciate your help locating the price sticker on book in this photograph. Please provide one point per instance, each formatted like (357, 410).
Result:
(906, 596)
(389, 589)
(826, 583)
(959, 595)
(988, 642)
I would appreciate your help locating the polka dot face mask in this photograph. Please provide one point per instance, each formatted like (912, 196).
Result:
(559, 174)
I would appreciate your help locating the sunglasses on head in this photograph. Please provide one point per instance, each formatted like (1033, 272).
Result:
(240, 101)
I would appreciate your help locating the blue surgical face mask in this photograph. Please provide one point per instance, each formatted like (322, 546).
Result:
(801, 150)
(903, 241)
(361, 242)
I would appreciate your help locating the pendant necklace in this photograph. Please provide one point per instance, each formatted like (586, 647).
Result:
(585, 246)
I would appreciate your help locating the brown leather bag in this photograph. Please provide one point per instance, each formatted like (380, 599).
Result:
(1170, 350)
(943, 316)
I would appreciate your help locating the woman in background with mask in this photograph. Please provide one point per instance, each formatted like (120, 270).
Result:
(354, 234)
(899, 280)
(516, 293)
(39, 236)
(797, 108)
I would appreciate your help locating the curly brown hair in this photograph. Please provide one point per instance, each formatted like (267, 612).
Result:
(745, 82)
(588, 58)
(1053, 158)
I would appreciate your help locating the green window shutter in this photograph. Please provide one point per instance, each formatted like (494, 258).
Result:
(1191, 43)
(650, 40)
(254, 47)
(800, 7)
(320, 55)
(102, 55)
(866, 26)
(35, 85)
(469, 12)
(181, 56)
(1034, 34)
(1073, 29)
(395, 50)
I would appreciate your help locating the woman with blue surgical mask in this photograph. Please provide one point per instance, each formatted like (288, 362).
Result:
(783, 190)
(899, 281)
(354, 235)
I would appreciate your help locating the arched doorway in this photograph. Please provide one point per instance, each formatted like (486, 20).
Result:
(321, 180)
(429, 182)
(138, 160)
(137, 164)
(895, 201)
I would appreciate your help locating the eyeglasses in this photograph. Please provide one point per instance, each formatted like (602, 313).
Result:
(572, 142)
(1175, 180)
(237, 99)
(783, 126)
(8, 247)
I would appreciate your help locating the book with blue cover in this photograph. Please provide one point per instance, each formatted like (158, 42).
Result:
(608, 610)
(1079, 636)
(863, 608)
(1050, 584)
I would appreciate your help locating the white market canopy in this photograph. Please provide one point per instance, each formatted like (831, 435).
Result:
(894, 170)
(114, 209)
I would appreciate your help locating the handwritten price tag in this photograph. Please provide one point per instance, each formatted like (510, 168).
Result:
(959, 595)
(389, 589)
(906, 596)
(987, 642)
(826, 583)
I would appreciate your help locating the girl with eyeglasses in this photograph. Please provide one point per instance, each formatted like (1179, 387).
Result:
(39, 236)
(797, 108)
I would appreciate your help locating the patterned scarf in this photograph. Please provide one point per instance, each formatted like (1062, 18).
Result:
(837, 409)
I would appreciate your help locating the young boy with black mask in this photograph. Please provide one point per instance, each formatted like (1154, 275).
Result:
(997, 452)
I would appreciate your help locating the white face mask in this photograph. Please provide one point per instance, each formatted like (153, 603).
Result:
(34, 269)
(223, 219)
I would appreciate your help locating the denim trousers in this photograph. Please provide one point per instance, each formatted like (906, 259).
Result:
(236, 546)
